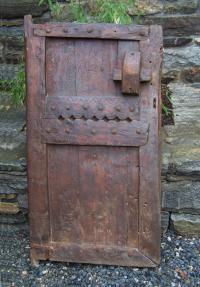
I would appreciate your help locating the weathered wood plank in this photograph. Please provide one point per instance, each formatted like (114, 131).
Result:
(96, 31)
(149, 204)
(92, 132)
(98, 254)
(95, 107)
(36, 151)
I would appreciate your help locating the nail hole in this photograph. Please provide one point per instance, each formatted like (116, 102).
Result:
(61, 118)
(154, 103)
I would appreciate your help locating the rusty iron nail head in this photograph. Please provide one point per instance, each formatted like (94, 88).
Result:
(142, 33)
(100, 108)
(138, 132)
(131, 109)
(67, 131)
(89, 30)
(48, 30)
(129, 254)
(85, 107)
(114, 131)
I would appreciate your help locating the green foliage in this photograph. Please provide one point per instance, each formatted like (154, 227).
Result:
(168, 97)
(107, 11)
(77, 12)
(110, 11)
(53, 5)
(16, 87)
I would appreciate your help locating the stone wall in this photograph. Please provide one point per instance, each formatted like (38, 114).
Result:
(181, 142)
(180, 20)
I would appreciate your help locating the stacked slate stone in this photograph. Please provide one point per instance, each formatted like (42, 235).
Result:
(180, 20)
(13, 183)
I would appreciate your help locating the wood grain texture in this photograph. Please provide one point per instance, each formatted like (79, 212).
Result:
(94, 151)
(83, 201)
(98, 254)
(96, 31)
(95, 107)
(36, 151)
(92, 132)
(131, 73)
(149, 206)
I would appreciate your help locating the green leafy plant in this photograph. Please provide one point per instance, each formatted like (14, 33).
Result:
(78, 12)
(168, 98)
(16, 87)
(108, 11)
(53, 5)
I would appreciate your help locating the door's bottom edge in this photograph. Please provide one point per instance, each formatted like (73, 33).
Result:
(91, 254)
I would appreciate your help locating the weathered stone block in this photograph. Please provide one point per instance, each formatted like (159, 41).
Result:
(15, 9)
(178, 59)
(146, 7)
(18, 218)
(186, 106)
(191, 168)
(12, 137)
(9, 208)
(186, 224)
(176, 41)
(191, 75)
(22, 200)
(180, 6)
(8, 71)
(164, 221)
(182, 196)
(11, 44)
(12, 183)
(176, 25)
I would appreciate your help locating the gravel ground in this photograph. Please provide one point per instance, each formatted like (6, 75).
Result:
(180, 266)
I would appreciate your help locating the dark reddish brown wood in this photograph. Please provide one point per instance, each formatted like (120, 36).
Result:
(93, 148)
(92, 132)
(131, 73)
(36, 151)
(149, 234)
(96, 108)
(95, 31)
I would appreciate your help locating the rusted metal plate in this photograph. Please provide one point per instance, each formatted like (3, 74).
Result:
(93, 121)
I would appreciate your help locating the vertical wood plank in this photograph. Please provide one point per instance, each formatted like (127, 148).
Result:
(63, 178)
(95, 62)
(149, 217)
(117, 195)
(60, 67)
(132, 196)
(36, 151)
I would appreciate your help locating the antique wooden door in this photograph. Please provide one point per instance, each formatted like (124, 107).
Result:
(93, 119)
